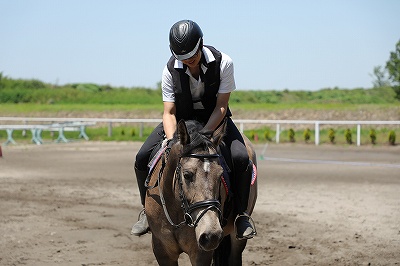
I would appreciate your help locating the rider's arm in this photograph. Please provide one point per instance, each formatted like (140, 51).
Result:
(219, 112)
(169, 119)
(169, 114)
(226, 86)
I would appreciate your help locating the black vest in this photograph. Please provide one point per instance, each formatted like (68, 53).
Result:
(183, 96)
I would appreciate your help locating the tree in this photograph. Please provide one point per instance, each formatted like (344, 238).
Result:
(393, 68)
(379, 76)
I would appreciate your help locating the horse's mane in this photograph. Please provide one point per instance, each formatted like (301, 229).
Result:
(197, 139)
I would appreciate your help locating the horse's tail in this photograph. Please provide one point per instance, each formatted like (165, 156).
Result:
(221, 254)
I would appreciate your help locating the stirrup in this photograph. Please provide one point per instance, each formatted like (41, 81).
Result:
(143, 228)
(251, 221)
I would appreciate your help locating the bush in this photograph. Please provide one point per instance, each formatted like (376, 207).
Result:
(372, 136)
(291, 135)
(331, 135)
(267, 135)
(348, 136)
(252, 135)
(307, 135)
(392, 137)
(133, 132)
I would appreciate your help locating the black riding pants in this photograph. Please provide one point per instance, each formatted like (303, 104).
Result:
(233, 141)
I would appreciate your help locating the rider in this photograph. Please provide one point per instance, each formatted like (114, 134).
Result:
(196, 84)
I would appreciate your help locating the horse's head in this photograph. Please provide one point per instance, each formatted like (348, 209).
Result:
(198, 177)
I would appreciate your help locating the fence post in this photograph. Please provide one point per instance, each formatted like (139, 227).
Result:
(358, 134)
(316, 133)
(109, 129)
(24, 131)
(241, 127)
(277, 133)
(141, 130)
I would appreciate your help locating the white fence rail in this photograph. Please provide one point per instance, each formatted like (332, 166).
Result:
(240, 122)
(316, 125)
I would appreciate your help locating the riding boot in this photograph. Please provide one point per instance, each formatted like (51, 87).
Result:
(244, 228)
(142, 226)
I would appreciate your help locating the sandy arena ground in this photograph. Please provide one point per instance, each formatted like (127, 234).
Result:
(74, 204)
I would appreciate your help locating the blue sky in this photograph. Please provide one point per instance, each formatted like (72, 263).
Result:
(275, 45)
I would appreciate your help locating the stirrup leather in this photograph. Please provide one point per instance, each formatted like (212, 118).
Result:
(141, 213)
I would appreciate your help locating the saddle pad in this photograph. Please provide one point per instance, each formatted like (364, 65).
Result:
(155, 159)
(254, 174)
(225, 177)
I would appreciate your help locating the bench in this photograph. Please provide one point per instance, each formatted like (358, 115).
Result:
(37, 130)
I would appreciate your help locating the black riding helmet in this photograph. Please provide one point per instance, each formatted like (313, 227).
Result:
(185, 38)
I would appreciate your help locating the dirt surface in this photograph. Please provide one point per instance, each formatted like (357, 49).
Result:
(74, 204)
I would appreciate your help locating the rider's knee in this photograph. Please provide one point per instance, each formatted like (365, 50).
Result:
(141, 161)
(240, 156)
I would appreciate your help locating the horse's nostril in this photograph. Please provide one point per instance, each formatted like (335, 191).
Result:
(209, 241)
(203, 239)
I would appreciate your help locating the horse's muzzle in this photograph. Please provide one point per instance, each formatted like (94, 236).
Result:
(210, 239)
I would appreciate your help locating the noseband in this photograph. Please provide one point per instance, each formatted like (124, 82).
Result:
(188, 209)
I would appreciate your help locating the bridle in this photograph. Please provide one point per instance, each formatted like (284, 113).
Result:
(206, 205)
(188, 209)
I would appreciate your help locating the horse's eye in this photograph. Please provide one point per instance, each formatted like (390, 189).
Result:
(188, 175)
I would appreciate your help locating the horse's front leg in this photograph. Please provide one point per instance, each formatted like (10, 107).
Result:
(237, 247)
(166, 256)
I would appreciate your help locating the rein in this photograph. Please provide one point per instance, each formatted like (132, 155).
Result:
(188, 209)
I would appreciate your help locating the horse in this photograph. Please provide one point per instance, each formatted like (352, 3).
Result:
(187, 204)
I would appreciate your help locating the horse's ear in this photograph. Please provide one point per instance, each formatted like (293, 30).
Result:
(183, 135)
(219, 133)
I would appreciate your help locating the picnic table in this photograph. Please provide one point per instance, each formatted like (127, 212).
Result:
(37, 130)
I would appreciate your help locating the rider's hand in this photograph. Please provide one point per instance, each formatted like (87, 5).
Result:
(165, 143)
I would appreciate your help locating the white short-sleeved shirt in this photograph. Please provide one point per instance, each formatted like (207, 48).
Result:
(197, 86)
